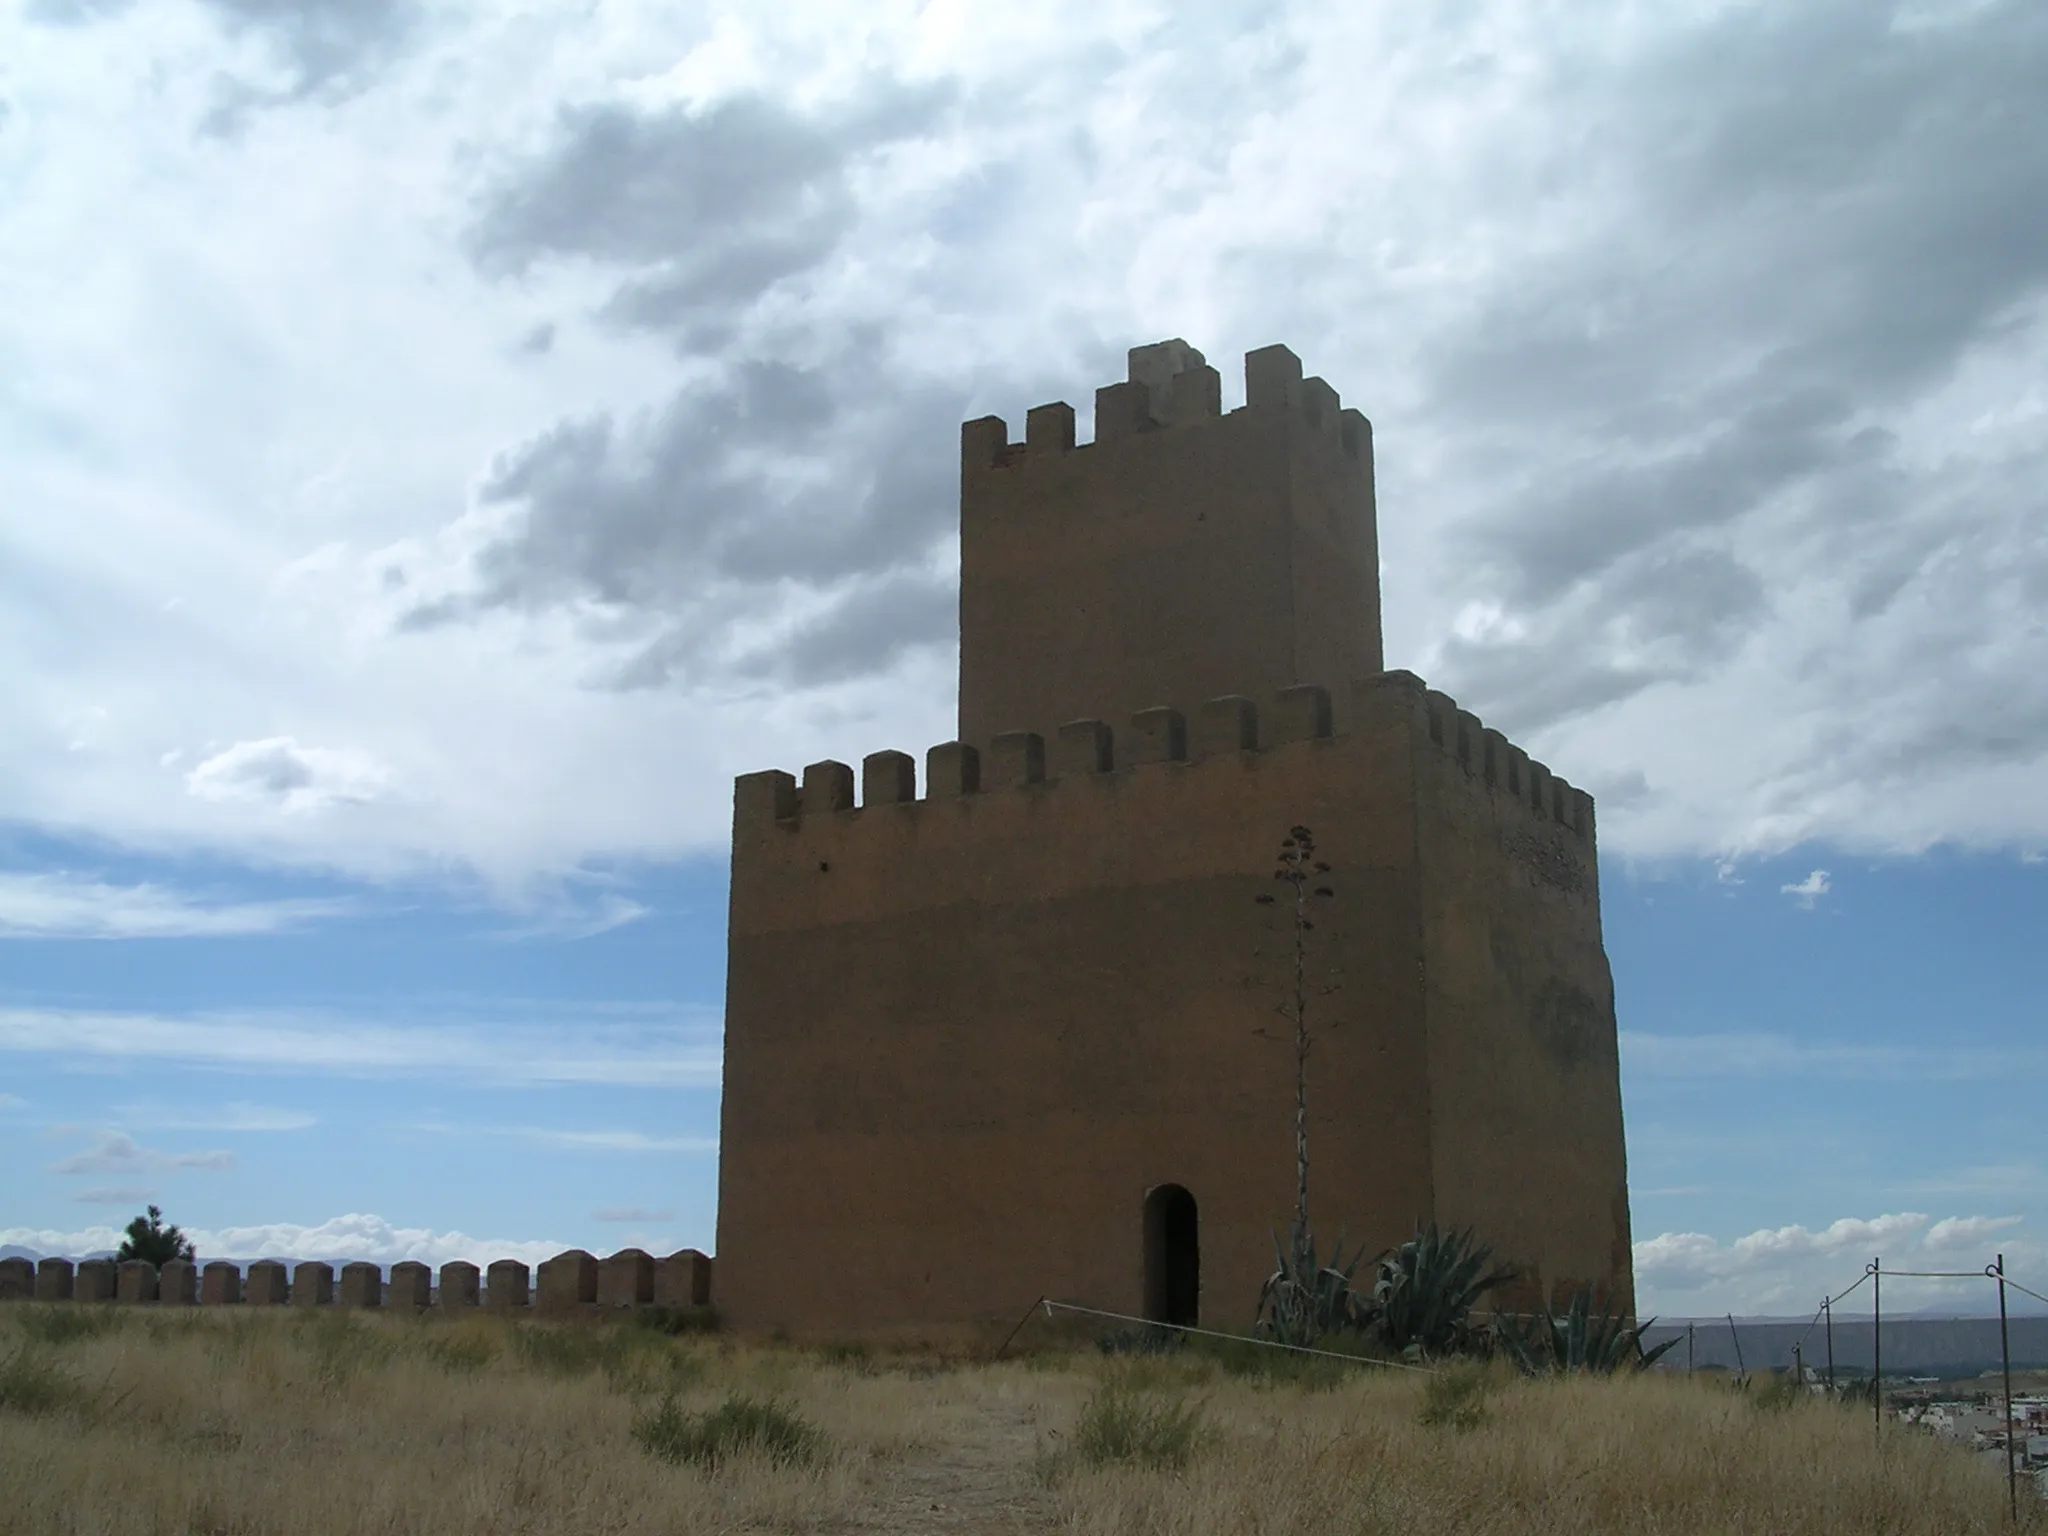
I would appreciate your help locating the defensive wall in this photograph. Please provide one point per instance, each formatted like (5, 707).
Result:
(569, 1284)
(970, 1031)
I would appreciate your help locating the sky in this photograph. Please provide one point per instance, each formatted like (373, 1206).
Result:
(441, 445)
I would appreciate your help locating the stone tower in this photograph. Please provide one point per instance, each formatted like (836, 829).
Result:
(1009, 1037)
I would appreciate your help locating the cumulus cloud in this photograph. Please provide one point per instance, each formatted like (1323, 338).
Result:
(64, 905)
(1703, 351)
(1808, 891)
(1787, 1270)
(277, 771)
(118, 1152)
(339, 1240)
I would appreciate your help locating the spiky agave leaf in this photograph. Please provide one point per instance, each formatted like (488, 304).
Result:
(1426, 1290)
(1577, 1340)
(1303, 1299)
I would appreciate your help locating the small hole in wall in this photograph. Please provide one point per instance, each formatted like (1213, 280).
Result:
(824, 868)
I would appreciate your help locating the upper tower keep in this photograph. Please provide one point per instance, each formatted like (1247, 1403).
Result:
(1183, 555)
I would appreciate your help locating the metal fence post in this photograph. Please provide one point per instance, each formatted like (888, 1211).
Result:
(1877, 1343)
(1827, 1308)
(2012, 1487)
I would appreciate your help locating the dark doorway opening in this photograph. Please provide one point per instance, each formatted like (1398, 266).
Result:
(1173, 1258)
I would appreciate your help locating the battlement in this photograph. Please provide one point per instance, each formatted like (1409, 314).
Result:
(569, 1284)
(1171, 386)
(1163, 739)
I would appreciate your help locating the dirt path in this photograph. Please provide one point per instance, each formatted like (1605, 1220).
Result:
(982, 1480)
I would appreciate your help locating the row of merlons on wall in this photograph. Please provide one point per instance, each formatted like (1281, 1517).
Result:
(1219, 728)
(568, 1282)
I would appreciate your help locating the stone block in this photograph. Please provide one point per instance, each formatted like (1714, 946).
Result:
(268, 1285)
(177, 1283)
(505, 1286)
(1159, 735)
(362, 1284)
(313, 1284)
(888, 778)
(828, 787)
(1049, 428)
(1017, 757)
(683, 1279)
(220, 1284)
(1225, 725)
(412, 1287)
(566, 1282)
(56, 1280)
(1301, 713)
(135, 1281)
(1083, 747)
(626, 1279)
(98, 1280)
(951, 769)
(459, 1287)
(17, 1280)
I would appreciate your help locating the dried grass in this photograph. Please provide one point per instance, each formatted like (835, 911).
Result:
(243, 1421)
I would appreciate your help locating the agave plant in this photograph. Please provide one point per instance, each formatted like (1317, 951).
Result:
(1304, 1300)
(1549, 1344)
(1423, 1298)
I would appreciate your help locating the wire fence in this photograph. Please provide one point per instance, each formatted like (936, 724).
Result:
(1874, 1275)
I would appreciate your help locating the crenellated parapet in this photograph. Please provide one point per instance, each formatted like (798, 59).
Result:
(1172, 388)
(570, 1284)
(1163, 739)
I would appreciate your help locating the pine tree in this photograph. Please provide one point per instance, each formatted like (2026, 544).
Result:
(149, 1239)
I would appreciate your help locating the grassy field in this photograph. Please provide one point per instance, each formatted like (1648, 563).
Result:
(138, 1422)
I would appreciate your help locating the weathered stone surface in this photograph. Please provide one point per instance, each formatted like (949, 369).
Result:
(412, 1286)
(177, 1283)
(362, 1285)
(268, 1285)
(459, 1287)
(135, 1281)
(56, 1280)
(567, 1282)
(220, 1284)
(626, 1279)
(313, 1284)
(683, 1279)
(506, 1291)
(1003, 1042)
(17, 1280)
(98, 1280)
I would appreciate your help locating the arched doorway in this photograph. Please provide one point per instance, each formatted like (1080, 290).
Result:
(1173, 1258)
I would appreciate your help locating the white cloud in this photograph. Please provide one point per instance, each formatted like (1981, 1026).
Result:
(60, 905)
(118, 1152)
(278, 772)
(1809, 890)
(112, 1196)
(1762, 564)
(596, 1141)
(342, 1239)
(1786, 1270)
(678, 1049)
(224, 1117)
(1968, 1231)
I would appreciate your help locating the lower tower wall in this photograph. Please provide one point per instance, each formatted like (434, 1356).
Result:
(967, 1034)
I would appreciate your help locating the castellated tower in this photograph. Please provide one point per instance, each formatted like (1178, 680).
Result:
(1010, 1033)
